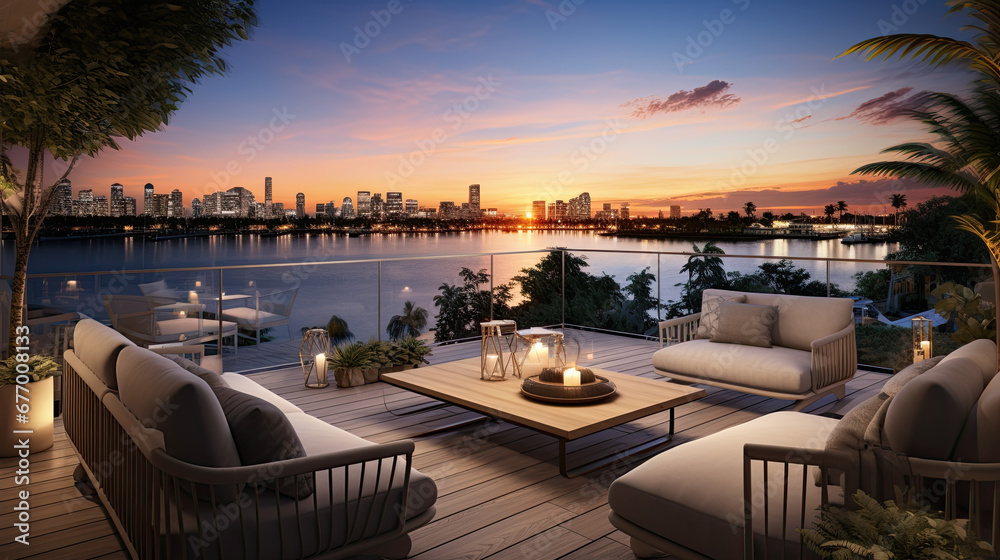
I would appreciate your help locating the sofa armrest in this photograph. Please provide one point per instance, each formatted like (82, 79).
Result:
(680, 329)
(834, 358)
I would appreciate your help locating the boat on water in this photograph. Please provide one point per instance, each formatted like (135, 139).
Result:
(864, 238)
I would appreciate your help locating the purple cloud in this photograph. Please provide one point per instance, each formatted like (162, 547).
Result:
(712, 95)
(890, 107)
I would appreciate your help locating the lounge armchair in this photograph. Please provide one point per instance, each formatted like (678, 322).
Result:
(49, 320)
(159, 290)
(809, 351)
(271, 310)
(138, 319)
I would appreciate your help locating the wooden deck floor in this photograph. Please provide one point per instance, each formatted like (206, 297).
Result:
(501, 495)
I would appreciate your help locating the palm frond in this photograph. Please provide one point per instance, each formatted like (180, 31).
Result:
(923, 172)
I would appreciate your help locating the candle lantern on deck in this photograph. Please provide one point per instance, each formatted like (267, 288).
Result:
(499, 344)
(313, 356)
(923, 348)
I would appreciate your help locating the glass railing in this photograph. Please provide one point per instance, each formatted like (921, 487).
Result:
(264, 308)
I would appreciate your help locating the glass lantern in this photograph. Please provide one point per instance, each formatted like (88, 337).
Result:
(496, 335)
(923, 348)
(314, 354)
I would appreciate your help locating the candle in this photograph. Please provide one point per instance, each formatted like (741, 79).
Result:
(193, 296)
(491, 363)
(925, 348)
(197, 283)
(321, 363)
(71, 285)
(541, 353)
(529, 368)
(182, 314)
(571, 377)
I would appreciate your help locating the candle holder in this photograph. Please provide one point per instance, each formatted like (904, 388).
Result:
(923, 343)
(496, 335)
(313, 355)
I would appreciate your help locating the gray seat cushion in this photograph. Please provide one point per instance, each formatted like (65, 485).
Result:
(926, 416)
(693, 494)
(251, 387)
(980, 439)
(983, 353)
(779, 369)
(98, 346)
(164, 396)
(208, 376)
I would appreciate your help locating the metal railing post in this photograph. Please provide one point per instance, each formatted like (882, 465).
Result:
(659, 300)
(827, 277)
(378, 321)
(564, 289)
(491, 287)
(219, 316)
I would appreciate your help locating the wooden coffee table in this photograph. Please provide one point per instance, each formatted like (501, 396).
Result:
(458, 383)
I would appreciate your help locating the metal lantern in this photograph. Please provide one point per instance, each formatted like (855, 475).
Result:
(314, 355)
(923, 344)
(544, 348)
(499, 344)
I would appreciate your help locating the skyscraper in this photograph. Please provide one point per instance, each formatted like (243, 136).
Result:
(63, 203)
(624, 211)
(364, 204)
(347, 208)
(300, 205)
(267, 197)
(160, 207)
(579, 207)
(147, 199)
(176, 208)
(128, 205)
(377, 206)
(411, 206)
(196, 208)
(116, 202)
(675, 212)
(538, 209)
(393, 203)
(446, 209)
(474, 200)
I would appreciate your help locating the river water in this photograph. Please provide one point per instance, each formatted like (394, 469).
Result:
(351, 289)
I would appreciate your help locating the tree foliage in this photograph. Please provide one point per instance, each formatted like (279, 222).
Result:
(408, 324)
(98, 71)
(462, 307)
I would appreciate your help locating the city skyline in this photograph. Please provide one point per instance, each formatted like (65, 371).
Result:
(704, 105)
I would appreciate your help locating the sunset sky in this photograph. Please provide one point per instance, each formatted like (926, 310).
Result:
(655, 103)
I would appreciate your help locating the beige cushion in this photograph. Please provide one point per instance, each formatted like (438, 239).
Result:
(263, 435)
(191, 327)
(158, 289)
(251, 387)
(980, 439)
(983, 352)
(692, 494)
(776, 369)
(873, 433)
(710, 303)
(98, 346)
(801, 319)
(162, 395)
(743, 323)
(249, 316)
(850, 431)
(926, 416)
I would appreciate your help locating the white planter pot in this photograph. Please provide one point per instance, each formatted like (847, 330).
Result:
(40, 417)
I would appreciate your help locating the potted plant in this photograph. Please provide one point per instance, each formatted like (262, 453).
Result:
(414, 352)
(381, 359)
(349, 362)
(876, 530)
(27, 396)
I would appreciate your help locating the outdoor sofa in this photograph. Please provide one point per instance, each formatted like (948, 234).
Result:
(803, 352)
(933, 427)
(191, 464)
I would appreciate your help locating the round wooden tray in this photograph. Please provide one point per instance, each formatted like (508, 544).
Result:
(559, 393)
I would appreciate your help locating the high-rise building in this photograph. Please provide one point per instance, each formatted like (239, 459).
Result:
(300, 205)
(474, 200)
(393, 203)
(237, 202)
(675, 212)
(364, 207)
(558, 210)
(330, 209)
(579, 207)
(196, 208)
(85, 203)
(278, 210)
(377, 206)
(147, 199)
(116, 202)
(129, 206)
(446, 210)
(267, 197)
(538, 209)
(160, 205)
(176, 207)
(347, 208)
(320, 209)
(62, 204)
(624, 213)
(411, 206)
(101, 205)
